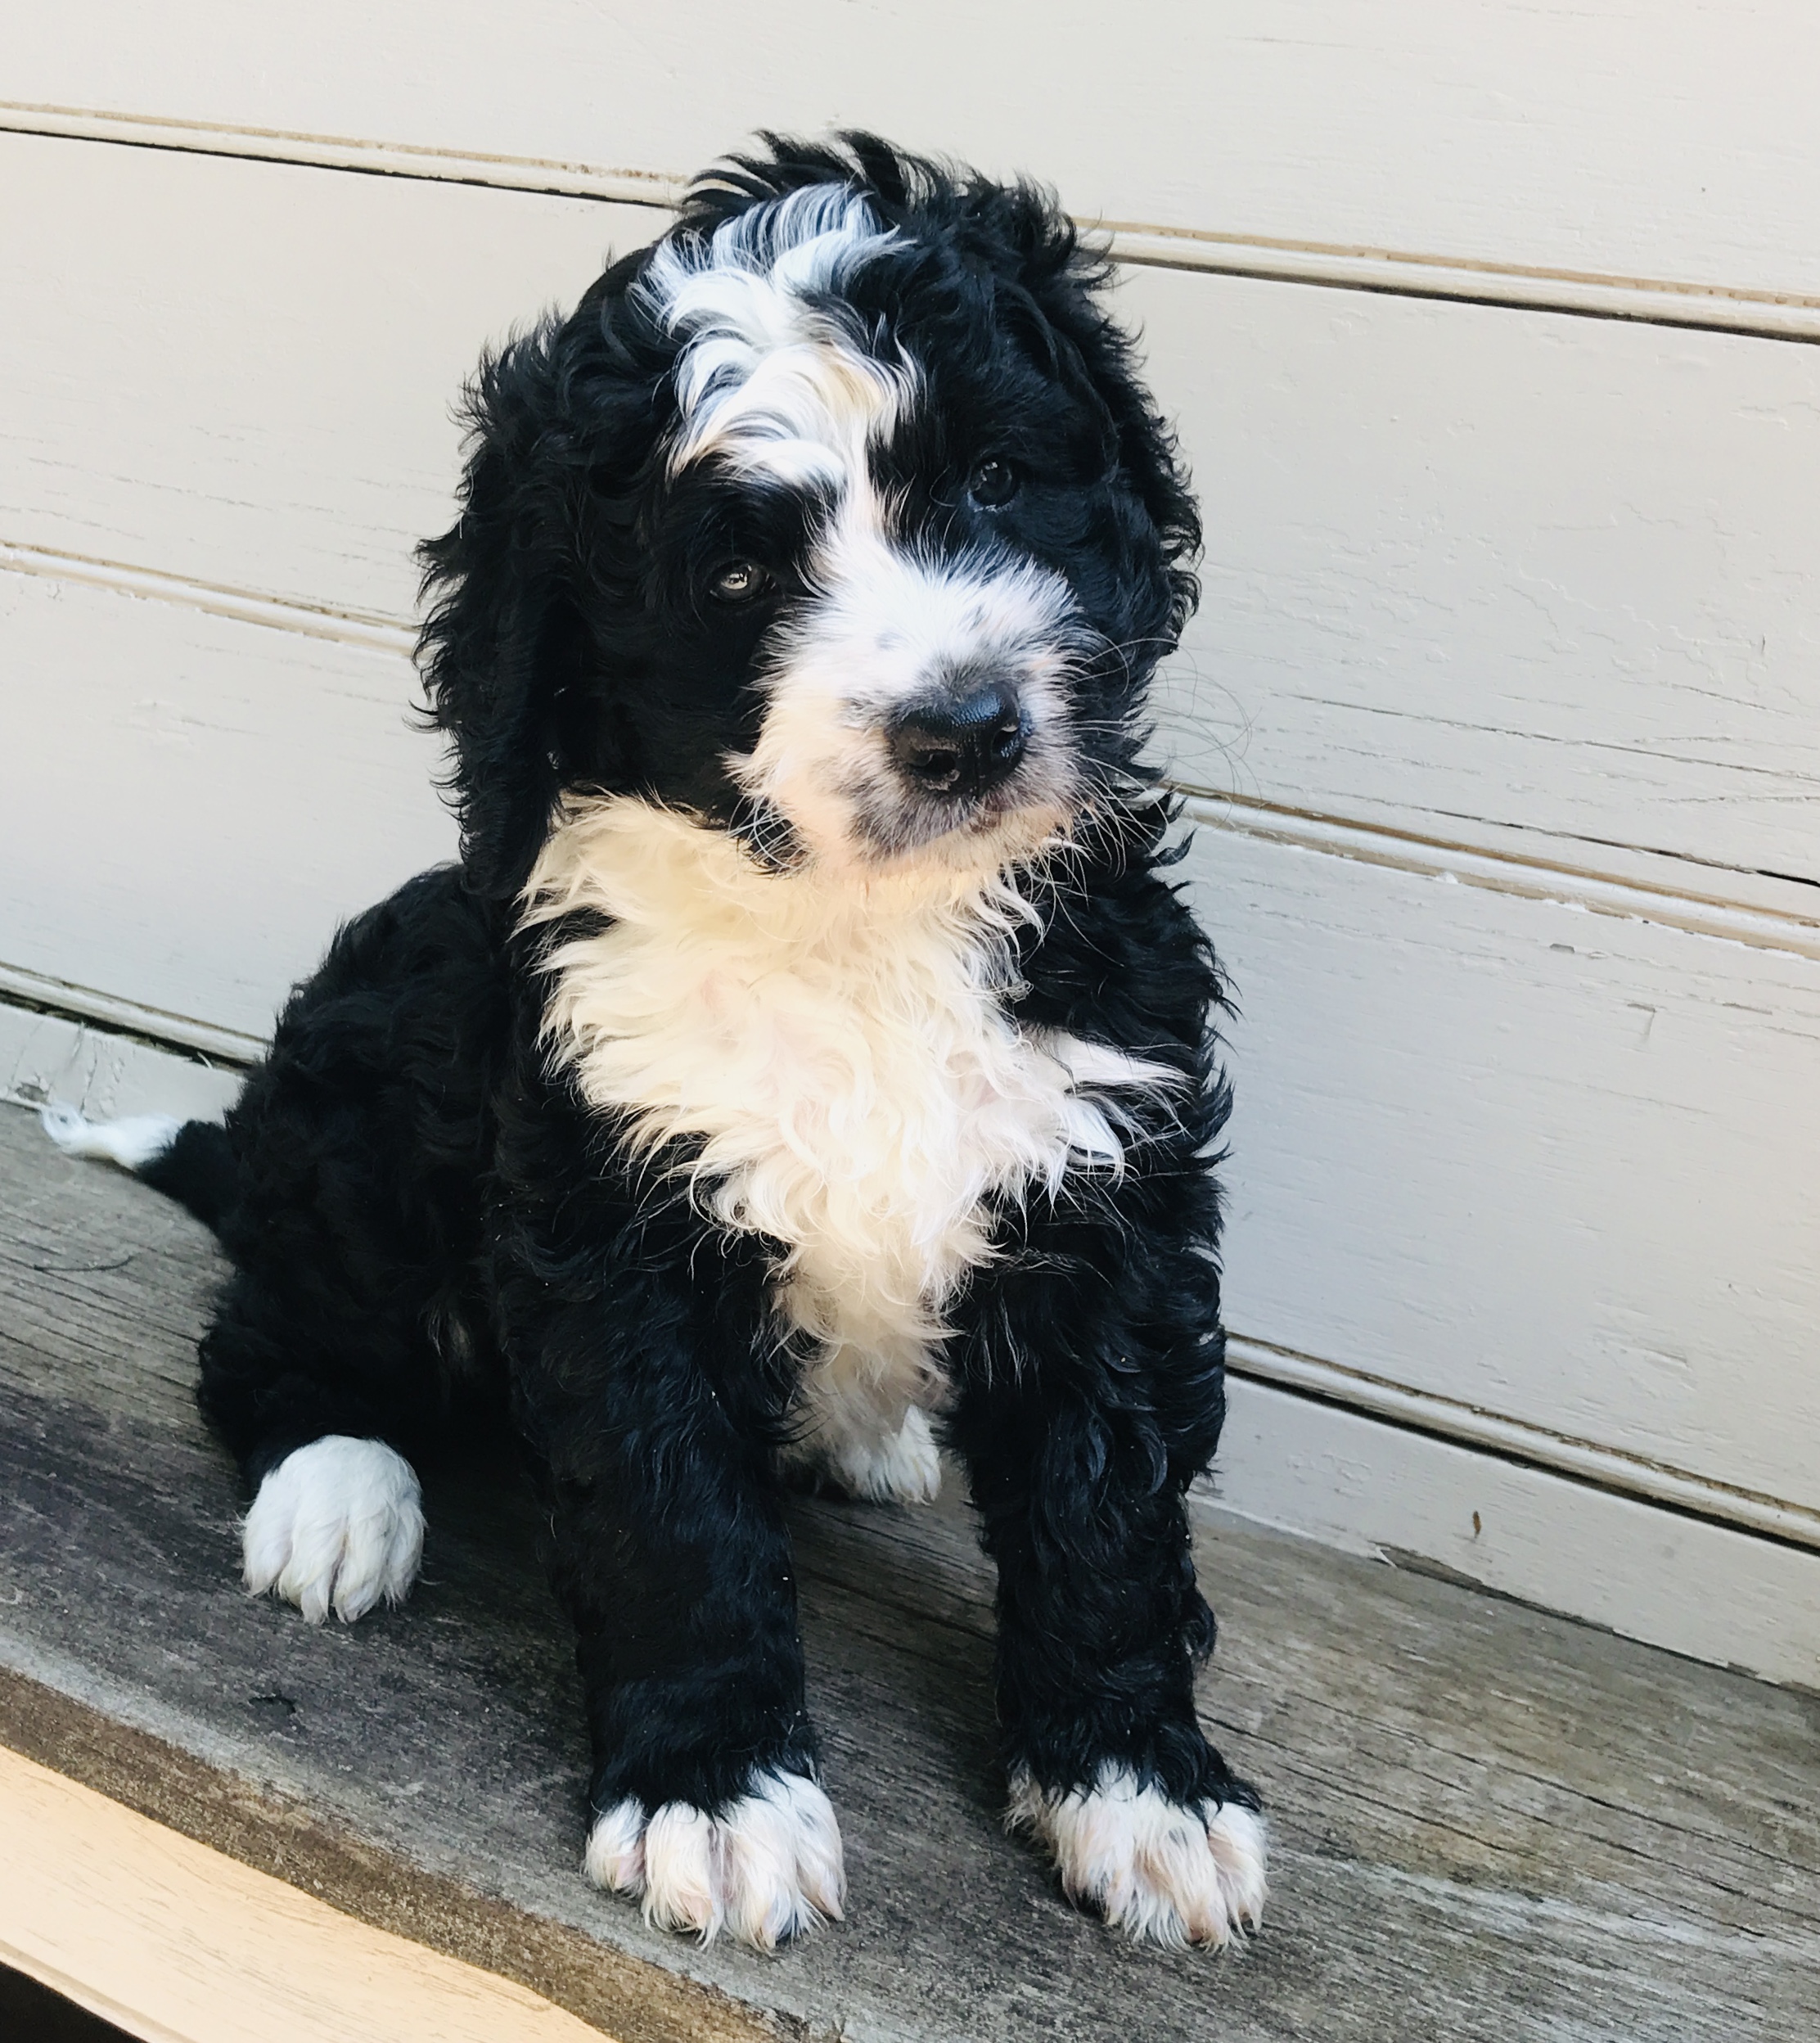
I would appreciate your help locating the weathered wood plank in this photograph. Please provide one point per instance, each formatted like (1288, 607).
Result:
(1489, 1823)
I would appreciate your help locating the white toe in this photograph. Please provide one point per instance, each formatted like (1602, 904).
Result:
(1163, 1871)
(767, 1869)
(904, 1466)
(337, 1525)
(907, 1467)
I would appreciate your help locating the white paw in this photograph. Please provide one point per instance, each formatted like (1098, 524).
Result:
(901, 1467)
(766, 1869)
(337, 1523)
(1152, 1867)
(132, 1143)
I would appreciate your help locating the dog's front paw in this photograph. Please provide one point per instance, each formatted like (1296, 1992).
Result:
(337, 1524)
(765, 1869)
(1160, 1870)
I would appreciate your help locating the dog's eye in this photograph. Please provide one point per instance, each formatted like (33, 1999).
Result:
(738, 582)
(993, 482)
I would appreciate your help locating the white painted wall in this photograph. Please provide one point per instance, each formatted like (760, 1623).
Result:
(1503, 709)
(1663, 139)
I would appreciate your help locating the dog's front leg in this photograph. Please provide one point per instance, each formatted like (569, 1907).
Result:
(1077, 1467)
(670, 1550)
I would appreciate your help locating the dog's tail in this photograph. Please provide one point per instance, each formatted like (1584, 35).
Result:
(191, 1161)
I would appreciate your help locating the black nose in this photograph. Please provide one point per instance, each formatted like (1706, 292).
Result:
(961, 746)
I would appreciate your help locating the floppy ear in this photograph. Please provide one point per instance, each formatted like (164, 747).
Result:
(1067, 285)
(560, 421)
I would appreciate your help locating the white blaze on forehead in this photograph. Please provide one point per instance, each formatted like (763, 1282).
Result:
(771, 380)
(768, 377)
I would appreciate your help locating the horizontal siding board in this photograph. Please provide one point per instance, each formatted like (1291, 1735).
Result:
(1466, 570)
(189, 805)
(248, 373)
(1474, 566)
(1557, 1166)
(1632, 138)
(105, 1075)
(1697, 1587)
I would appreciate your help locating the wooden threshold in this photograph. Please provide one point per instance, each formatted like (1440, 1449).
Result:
(177, 1943)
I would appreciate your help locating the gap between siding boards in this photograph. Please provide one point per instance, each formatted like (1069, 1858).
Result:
(244, 605)
(1500, 870)
(178, 1035)
(1650, 301)
(1375, 1398)
(1503, 870)
(1514, 1440)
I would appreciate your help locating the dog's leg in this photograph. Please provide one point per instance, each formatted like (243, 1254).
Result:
(670, 1550)
(675, 1565)
(1100, 1625)
(337, 1521)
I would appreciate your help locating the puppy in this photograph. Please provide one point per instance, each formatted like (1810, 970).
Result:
(808, 1059)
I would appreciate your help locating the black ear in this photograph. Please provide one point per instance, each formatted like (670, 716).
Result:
(1068, 284)
(560, 420)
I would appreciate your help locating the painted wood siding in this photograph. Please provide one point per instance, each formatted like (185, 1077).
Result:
(1501, 715)
(1668, 140)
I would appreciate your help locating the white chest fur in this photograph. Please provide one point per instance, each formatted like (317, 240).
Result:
(841, 1058)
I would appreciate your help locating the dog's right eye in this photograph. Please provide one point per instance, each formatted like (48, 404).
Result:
(738, 582)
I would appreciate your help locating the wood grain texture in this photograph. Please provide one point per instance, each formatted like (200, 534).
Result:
(176, 1942)
(1490, 1824)
(1666, 140)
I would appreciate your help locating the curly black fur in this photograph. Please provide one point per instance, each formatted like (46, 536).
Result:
(428, 1225)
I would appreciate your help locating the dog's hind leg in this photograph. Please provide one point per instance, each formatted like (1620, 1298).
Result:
(881, 1464)
(336, 1525)
(336, 1521)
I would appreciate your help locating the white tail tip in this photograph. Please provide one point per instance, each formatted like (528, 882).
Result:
(132, 1144)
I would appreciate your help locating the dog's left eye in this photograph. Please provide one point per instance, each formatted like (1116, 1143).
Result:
(993, 482)
(738, 582)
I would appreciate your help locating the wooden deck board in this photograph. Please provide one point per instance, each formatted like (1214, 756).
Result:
(1489, 1823)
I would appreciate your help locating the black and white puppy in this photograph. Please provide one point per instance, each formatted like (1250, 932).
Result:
(808, 1060)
